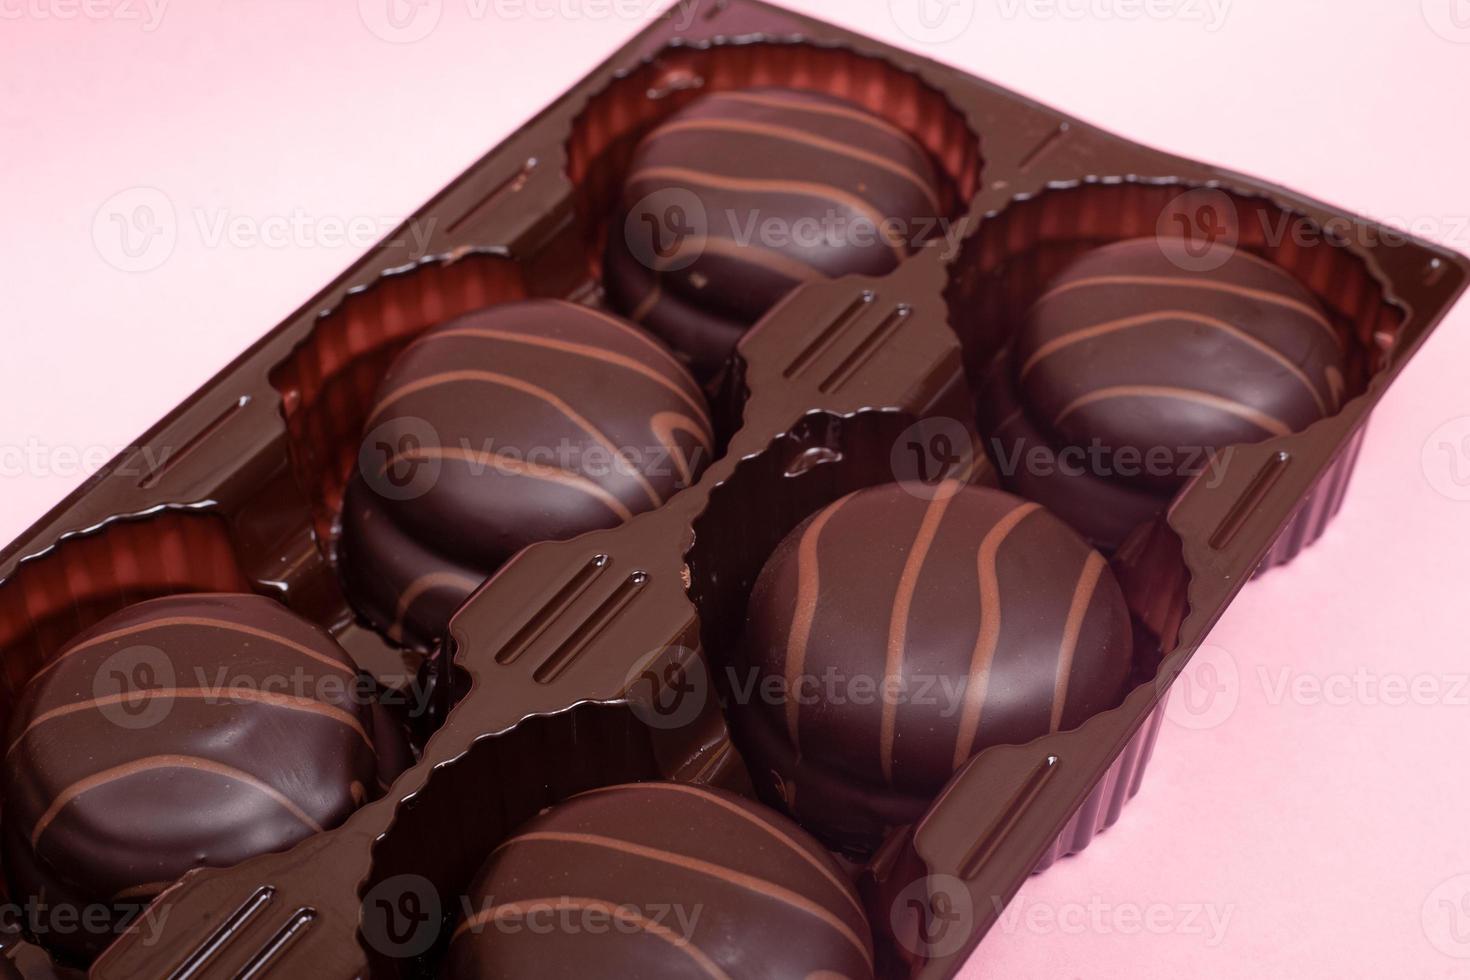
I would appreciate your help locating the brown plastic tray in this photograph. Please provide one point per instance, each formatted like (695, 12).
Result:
(559, 659)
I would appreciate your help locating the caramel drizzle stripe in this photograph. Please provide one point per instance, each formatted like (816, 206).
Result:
(898, 622)
(580, 350)
(806, 139)
(648, 302)
(771, 260)
(525, 387)
(821, 108)
(713, 762)
(221, 694)
(627, 328)
(206, 621)
(752, 819)
(1269, 423)
(739, 879)
(1199, 282)
(513, 467)
(988, 639)
(665, 425)
(1128, 322)
(155, 762)
(1081, 600)
(148, 890)
(562, 903)
(1335, 383)
(808, 591)
(424, 584)
(756, 185)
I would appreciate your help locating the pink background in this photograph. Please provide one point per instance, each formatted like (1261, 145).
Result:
(1284, 829)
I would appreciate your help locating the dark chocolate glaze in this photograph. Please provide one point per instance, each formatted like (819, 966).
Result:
(188, 731)
(1103, 510)
(699, 249)
(1139, 365)
(526, 422)
(662, 880)
(1131, 349)
(986, 619)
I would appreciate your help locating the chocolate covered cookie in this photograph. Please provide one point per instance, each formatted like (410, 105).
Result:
(661, 880)
(184, 732)
(1135, 371)
(904, 633)
(525, 422)
(742, 195)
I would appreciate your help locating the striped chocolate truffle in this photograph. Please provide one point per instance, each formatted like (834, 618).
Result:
(661, 880)
(525, 422)
(893, 635)
(183, 732)
(1156, 365)
(1068, 483)
(742, 195)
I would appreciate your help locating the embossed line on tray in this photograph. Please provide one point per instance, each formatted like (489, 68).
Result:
(1241, 511)
(574, 645)
(828, 335)
(985, 848)
(1048, 143)
(866, 349)
(224, 933)
(170, 460)
(509, 185)
(300, 920)
(570, 591)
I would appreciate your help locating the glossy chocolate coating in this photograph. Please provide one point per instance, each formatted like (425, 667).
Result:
(742, 195)
(1138, 362)
(189, 731)
(525, 422)
(985, 619)
(1103, 510)
(661, 880)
